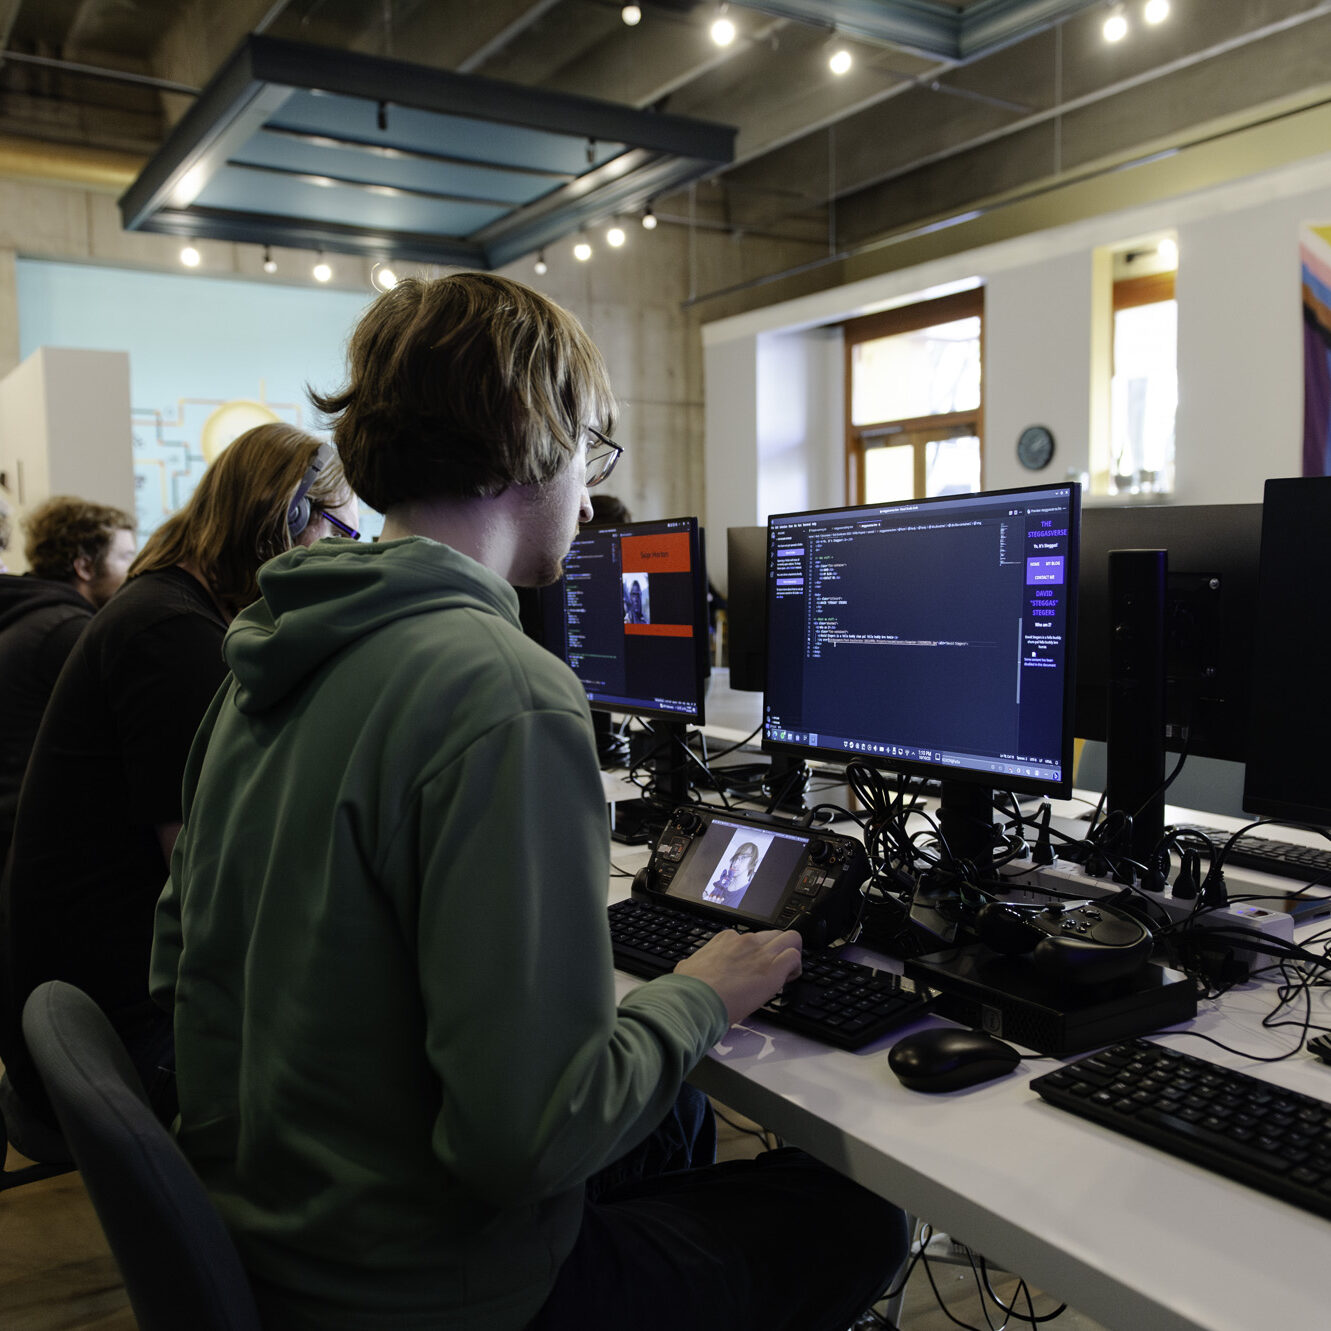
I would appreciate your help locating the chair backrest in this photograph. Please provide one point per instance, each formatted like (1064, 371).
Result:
(179, 1264)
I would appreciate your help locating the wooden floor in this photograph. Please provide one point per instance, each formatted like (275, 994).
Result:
(57, 1274)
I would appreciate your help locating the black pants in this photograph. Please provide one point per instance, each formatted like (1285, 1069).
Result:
(780, 1242)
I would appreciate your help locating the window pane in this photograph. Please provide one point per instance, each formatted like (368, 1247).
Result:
(889, 474)
(1144, 396)
(925, 373)
(952, 466)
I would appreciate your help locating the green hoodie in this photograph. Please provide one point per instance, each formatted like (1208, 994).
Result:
(384, 937)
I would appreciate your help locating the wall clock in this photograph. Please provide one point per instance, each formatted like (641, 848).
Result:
(1035, 446)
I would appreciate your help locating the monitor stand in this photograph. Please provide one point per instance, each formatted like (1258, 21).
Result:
(784, 784)
(966, 818)
(664, 747)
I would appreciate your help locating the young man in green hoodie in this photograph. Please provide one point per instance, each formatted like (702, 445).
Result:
(399, 1056)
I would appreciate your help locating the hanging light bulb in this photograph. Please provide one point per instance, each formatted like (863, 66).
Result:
(541, 267)
(269, 263)
(381, 277)
(321, 271)
(631, 15)
(723, 30)
(1116, 26)
(615, 237)
(840, 61)
(1156, 11)
(582, 251)
(649, 219)
(190, 257)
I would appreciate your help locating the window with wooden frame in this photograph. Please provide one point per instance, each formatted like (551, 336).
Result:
(914, 416)
(1143, 386)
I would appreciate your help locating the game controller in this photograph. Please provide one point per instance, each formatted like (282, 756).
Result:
(1078, 942)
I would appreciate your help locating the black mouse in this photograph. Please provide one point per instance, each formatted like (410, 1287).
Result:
(946, 1058)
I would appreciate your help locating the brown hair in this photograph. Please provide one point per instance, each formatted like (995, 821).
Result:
(461, 386)
(63, 528)
(236, 519)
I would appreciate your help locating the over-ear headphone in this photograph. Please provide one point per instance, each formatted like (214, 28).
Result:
(298, 513)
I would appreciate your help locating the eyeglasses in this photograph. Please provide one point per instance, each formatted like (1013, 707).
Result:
(345, 528)
(601, 461)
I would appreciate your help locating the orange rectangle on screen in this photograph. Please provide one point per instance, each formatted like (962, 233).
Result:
(667, 553)
(660, 630)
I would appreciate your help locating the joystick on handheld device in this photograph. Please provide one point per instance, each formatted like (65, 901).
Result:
(1077, 942)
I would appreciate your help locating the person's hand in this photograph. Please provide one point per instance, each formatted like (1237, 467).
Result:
(746, 969)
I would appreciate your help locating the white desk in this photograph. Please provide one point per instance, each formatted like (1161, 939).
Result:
(1124, 1233)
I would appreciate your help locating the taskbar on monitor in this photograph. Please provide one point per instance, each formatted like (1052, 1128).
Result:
(613, 700)
(907, 753)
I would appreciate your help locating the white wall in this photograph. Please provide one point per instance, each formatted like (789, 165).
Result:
(1239, 354)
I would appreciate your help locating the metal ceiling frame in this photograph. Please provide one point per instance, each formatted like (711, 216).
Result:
(926, 28)
(663, 152)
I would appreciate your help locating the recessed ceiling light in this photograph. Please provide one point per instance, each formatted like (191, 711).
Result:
(190, 257)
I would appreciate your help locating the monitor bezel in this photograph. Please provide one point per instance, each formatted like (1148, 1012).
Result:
(944, 773)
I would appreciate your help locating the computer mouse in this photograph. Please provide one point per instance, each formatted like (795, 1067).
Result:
(947, 1058)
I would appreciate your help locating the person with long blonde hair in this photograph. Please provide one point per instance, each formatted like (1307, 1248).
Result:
(99, 807)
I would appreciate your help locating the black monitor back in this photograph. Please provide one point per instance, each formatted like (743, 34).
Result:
(1288, 773)
(746, 606)
(1209, 618)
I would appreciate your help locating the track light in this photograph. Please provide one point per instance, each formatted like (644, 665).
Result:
(631, 15)
(723, 30)
(649, 218)
(582, 251)
(321, 271)
(1156, 11)
(615, 237)
(840, 61)
(269, 263)
(1116, 26)
(541, 267)
(190, 257)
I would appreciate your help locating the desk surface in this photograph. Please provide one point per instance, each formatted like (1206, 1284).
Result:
(1126, 1234)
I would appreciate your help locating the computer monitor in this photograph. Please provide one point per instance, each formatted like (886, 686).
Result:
(746, 607)
(1288, 775)
(629, 617)
(935, 637)
(1210, 613)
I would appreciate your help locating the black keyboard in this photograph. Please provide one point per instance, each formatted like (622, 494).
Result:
(1274, 1140)
(836, 1002)
(1306, 863)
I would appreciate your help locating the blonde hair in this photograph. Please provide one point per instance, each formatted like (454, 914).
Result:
(236, 519)
(462, 386)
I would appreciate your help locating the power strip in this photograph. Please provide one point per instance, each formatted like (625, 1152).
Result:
(1063, 877)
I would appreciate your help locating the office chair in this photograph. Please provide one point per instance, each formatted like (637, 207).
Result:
(31, 1138)
(179, 1264)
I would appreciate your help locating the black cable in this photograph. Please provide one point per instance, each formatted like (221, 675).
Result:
(1033, 1320)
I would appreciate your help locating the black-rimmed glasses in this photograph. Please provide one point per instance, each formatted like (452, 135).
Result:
(601, 461)
(345, 528)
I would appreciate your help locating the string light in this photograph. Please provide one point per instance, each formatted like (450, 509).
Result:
(582, 251)
(381, 276)
(631, 15)
(649, 219)
(269, 263)
(1116, 26)
(615, 237)
(190, 257)
(840, 61)
(1156, 11)
(541, 267)
(723, 30)
(321, 271)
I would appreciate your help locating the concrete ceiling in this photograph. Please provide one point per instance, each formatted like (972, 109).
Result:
(949, 105)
